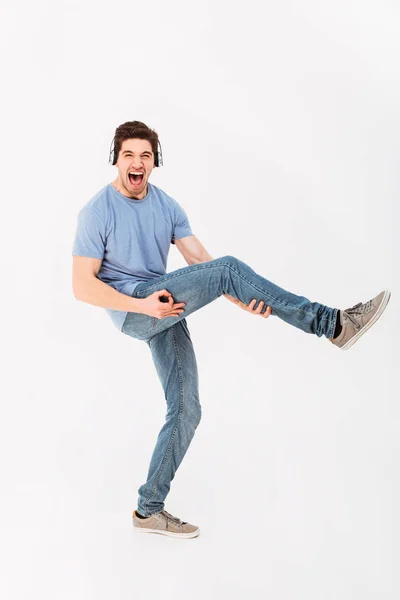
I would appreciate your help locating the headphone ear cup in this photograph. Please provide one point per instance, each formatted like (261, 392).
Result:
(159, 155)
(111, 157)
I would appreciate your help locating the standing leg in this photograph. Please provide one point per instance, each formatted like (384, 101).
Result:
(175, 361)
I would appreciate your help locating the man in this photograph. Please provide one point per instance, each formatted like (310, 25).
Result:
(120, 253)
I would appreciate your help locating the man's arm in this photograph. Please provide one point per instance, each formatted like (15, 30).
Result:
(88, 288)
(194, 252)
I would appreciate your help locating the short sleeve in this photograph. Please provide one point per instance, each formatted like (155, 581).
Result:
(181, 223)
(90, 235)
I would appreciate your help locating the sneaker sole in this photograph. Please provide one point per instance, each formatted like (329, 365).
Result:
(168, 533)
(374, 319)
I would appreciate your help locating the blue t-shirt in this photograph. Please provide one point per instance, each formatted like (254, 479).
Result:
(132, 237)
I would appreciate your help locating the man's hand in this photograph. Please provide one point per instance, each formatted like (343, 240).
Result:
(153, 306)
(250, 307)
(257, 311)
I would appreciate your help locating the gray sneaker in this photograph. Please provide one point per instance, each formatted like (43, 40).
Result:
(358, 319)
(163, 522)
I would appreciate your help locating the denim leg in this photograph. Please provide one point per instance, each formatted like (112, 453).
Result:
(200, 284)
(173, 355)
(175, 361)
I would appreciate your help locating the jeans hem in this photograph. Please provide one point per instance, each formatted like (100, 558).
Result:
(334, 320)
(151, 514)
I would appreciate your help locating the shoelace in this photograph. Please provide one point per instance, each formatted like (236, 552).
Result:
(357, 309)
(172, 518)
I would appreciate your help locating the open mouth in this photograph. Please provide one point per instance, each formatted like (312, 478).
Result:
(136, 177)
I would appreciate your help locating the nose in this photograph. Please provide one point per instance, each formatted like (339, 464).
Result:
(137, 163)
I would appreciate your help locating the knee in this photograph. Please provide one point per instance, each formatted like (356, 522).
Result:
(192, 415)
(229, 260)
(196, 414)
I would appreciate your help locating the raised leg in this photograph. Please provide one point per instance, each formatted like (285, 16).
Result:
(200, 284)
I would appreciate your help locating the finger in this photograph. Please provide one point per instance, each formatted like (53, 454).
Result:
(252, 309)
(163, 293)
(267, 312)
(259, 307)
(173, 310)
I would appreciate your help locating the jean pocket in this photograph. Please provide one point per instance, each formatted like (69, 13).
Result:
(138, 325)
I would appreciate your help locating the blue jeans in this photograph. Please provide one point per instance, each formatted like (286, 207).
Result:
(174, 357)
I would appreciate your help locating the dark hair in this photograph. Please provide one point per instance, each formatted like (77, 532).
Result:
(134, 129)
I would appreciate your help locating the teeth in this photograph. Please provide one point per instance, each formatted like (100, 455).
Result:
(135, 173)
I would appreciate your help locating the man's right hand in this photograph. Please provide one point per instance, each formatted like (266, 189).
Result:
(154, 307)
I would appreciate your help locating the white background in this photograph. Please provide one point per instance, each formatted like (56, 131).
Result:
(280, 129)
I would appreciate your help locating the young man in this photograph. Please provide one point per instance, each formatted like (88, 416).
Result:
(120, 253)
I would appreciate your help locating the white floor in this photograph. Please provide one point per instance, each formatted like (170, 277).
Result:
(293, 480)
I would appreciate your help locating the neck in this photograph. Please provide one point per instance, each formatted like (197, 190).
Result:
(122, 190)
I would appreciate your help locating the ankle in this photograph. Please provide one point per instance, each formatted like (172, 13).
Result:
(338, 326)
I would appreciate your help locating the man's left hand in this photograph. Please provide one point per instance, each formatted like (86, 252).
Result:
(250, 307)
(256, 311)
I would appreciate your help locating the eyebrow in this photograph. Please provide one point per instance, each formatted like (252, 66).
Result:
(130, 152)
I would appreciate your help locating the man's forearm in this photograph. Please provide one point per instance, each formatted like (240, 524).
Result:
(101, 294)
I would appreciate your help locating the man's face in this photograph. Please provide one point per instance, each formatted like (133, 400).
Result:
(135, 156)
